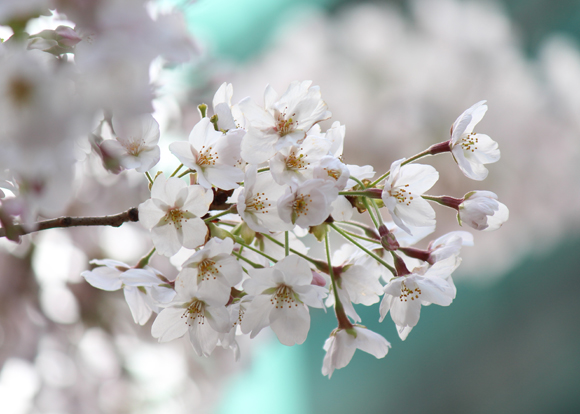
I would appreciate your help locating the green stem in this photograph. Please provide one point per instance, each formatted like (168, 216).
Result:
(241, 242)
(185, 173)
(248, 261)
(149, 177)
(367, 251)
(176, 170)
(354, 193)
(297, 253)
(343, 322)
(359, 182)
(215, 216)
(407, 161)
(286, 243)
(366, 203)
(261, 170)
(358, 236)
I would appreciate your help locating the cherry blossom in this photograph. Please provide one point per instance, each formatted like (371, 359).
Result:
(281, 296)
(256, 202)
(297, 164)
(283, 122)
(212, 154)
(173, 214)
(136, 144)
(470, 150)
(342, 344)
(308, 204)
(193, 313)
(404, 295)
(402, 194)
(213, 269)
(482, 211)
(144, 289)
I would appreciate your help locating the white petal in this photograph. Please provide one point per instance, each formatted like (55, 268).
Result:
(290, 323)
(169, 324)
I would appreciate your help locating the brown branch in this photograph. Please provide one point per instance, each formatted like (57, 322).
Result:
(115, 221)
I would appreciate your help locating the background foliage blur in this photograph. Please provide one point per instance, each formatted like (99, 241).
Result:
(397, 74)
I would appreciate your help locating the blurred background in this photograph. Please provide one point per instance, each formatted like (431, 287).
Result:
(397, 74)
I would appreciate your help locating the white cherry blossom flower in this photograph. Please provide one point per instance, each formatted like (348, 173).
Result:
(136, 144)
(297, 164)
(213, 269)
(212, 154)
(308, 204)
(402, 194)
(342, 344)
(144, 289)
(257, 202)
(332, 170)
(283, 122)
(193, 313)
(404, 295)
(173, 214)
(482, 211)
(356, 284)
(282, 294)
(470, 150)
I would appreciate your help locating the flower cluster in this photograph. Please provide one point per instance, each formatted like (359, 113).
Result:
(251, 181)
(282, 177)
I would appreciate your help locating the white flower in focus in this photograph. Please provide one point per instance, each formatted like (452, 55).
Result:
(405, 295)
(283, 122)
(282, 294)
(213, 269)
(402, 194)
(144, 289)
(342, 343)
(482, 211)
(212, 154)
(296, 164)
(308, 204)
(173, 214)
(332, 170)
(136, 144)
(191, 312)
(470, 150)
(256, 202)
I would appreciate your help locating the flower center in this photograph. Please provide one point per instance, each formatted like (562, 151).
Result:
(469, 143)
(300, 205)
(285, 126)
(206, 157)
(294, 162)
(195, 312)
(402, 195)
(176, 216)
(135, 146)
(207, 270)
(258, 204)
(284, 296)
(407, 293)
(333, 173)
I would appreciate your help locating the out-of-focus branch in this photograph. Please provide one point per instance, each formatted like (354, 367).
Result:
(115, 221)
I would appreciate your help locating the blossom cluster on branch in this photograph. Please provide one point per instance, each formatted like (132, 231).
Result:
(250, 182)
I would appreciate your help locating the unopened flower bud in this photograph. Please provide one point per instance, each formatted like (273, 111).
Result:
(388, 240)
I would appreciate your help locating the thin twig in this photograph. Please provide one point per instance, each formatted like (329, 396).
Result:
(115, 221)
